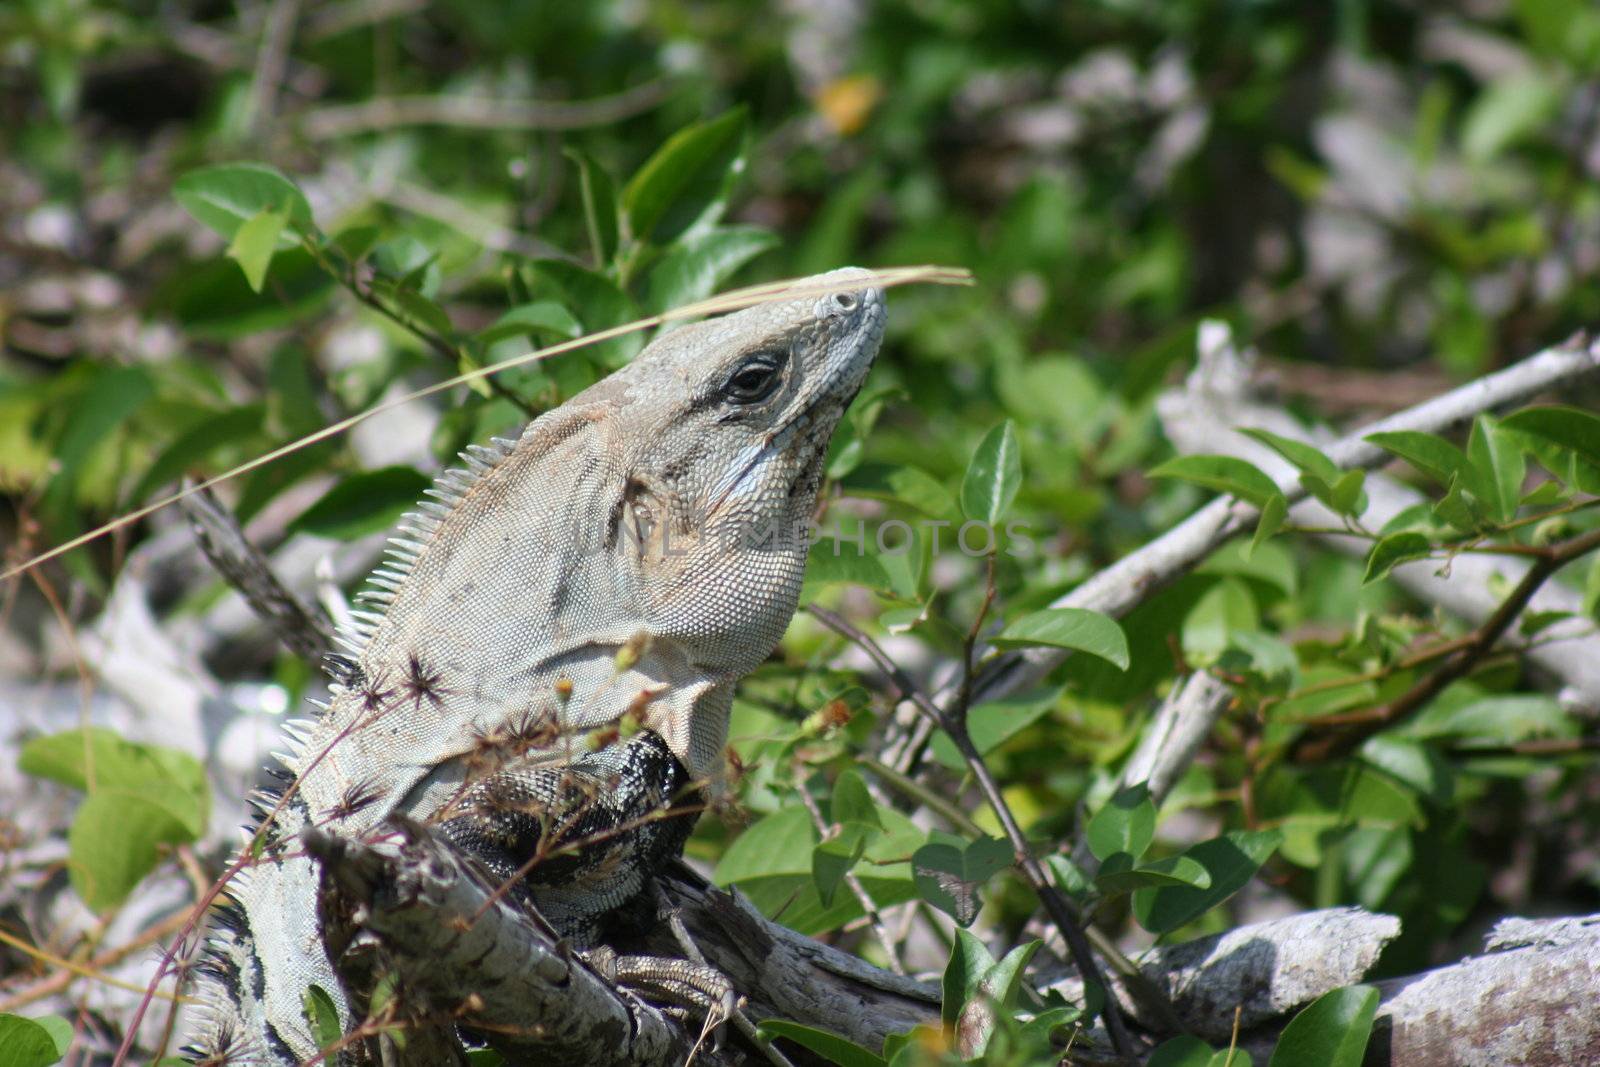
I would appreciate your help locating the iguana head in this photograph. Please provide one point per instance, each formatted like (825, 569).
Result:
(728, 426)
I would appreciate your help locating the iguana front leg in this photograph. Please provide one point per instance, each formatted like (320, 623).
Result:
(579, 840)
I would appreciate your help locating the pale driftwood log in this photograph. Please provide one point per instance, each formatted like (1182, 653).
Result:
(1530, 1001)
(1218, 400)
(504, 976)
(1129, 581)
(1266, 970)
(489, 967)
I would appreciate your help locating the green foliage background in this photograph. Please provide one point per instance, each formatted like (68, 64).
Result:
(1386, 198)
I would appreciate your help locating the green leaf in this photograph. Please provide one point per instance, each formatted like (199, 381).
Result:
(1232, 860)
(323, 1016)
(203, 440)
(1393, 550)
(1432, 455)
(254, 243)
(227, 196)
(1507, 111)
(175, 780)
(851, 802)
(994, 997)
(994, 722)
(1169, 871)
(532, 319)
(993, 477)
(949, 876)
(362, 503)
(832, 859)
(1503, 719)
(1497, 466)
(1568, 427)
(28, 1042)
(600, 304)
(695, 267)
(116, 840)
(1225, 474)
(1125, 823)
(600, 207)
(829, 1046)
(687, 180)
(1182, 1051)
(1331, 1031)
(908, 485)
(969, 962)
(1075, 628)
(1343, 495)
(1305, 458)
(1273, 513)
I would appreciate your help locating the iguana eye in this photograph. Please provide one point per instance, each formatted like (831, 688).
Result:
(755, 379)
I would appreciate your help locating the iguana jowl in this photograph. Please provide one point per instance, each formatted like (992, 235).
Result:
(632, 554)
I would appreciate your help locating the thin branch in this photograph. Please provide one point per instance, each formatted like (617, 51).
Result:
(1127, 583)
(1056, 905)
(481, 112)
(1317, 746)
(868, 906)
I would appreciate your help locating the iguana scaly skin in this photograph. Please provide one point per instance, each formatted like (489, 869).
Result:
(627, 559)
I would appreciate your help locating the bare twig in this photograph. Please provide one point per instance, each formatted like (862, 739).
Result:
(874, 918)
(1056, 905)
(1127, 583)
(481, 112)
(1317, 746)
(271, 61)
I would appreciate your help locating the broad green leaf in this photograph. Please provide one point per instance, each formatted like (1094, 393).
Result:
(1226, 609)
(1507, 111)
(829, 1046)
(969, 962)
(362, 503)
(1273, 514)
(600, 206)
(1393, 550)
(323, 1016)
(851, 802)
(1075, 628)
(116, 840)
(95, 759)
(1069, 876)
(1503, 719)
(1225, 474)
(696, 266)
(908, 485)
(993, 476)
(994, 996)
(28, 1042)
(253, 244)
(1182, 1051)
(1343, 495)
(994, 722)
(1125, 823)
(228, 195)
(832, 859)
(1169, 871)
(1570, 428)
(1305, 457)
(1232, 860)
(687, 180)
(599, 305)
(836, 560)
(202, 441)
(1432, 455)
(1460, 510)
(1498, 467)
(950, 876)
(412, 306)
(1331, 1031)
(531, 319)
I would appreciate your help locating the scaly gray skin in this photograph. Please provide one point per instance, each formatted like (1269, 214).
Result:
(632, 555)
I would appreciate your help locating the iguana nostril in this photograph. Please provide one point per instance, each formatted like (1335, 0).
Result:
(845, 301)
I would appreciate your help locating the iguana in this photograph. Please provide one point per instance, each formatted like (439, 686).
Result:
(622, 563)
